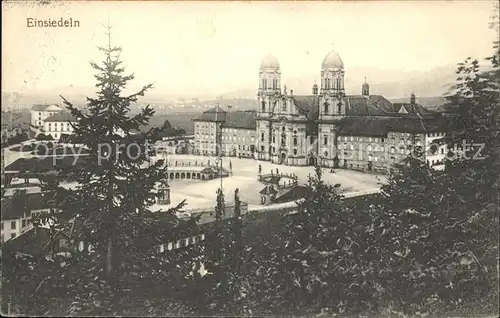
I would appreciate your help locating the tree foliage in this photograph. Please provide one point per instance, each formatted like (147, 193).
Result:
(441, 228)
(111, 204)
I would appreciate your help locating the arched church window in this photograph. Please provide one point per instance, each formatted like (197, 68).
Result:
(263, 106)
(326, 107)
(284, 106)
(339, 83)
(295, 141)
(339, 107)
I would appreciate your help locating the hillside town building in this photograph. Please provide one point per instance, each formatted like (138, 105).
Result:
(58, 125)
(19, 211)
(234, 131)
(328, 127)
(41, 112)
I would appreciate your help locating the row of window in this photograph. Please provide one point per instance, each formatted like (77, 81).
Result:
(205, 135)
(50, 114)
(62, 128)
(325, 139)
(237, 130)
(329, 83)
(12, 235)
(435, 134)
(236, 138)
(273, 84)
(326, 108)
(180, 243)
(13, 225)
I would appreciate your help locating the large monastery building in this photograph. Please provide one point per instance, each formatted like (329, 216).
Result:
(328, 127)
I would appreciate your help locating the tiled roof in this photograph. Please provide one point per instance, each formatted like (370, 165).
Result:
(381, 102)
(307, 105)
(378, 126)
(216, 109)
(39, 107)
(70, 139)
(361, 106)
(417, 124)
(268, 189)
(17, 206)
(411, 109)
(363, 126)
(63, 117)
(208, 170)
(295, 193)
(241, 119)
(44, 164)
(213, 114)
(34, 242)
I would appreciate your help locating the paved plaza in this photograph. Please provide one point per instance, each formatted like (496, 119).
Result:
(199, 193)
(202, 193)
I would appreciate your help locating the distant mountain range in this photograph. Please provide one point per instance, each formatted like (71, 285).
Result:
(393, 84)
(389, 83)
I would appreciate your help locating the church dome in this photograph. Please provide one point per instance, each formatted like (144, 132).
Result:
(269, 62)
(332, 61)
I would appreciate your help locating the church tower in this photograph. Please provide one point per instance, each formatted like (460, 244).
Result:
(332, 74)
(269, 76)
(365, 89)
(332, 104)
(268, 94)
(332, 107)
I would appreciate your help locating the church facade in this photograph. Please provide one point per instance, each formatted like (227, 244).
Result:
(329, 127)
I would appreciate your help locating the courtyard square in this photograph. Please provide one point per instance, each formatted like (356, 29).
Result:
(202, 193)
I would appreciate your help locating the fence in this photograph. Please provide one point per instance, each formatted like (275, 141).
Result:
(267, 179)
(293, 204)
(228, 210)
(280, 207)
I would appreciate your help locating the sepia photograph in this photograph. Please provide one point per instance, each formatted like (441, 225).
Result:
(250, 158)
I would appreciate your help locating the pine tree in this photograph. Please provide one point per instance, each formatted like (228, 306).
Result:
(319, 265)
(225, 289)
(117, 184)
(439, 230)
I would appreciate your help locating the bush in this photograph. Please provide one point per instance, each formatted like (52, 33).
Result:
(43, 137)
(17, 139)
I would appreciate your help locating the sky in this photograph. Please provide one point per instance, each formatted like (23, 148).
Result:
(213, 47)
